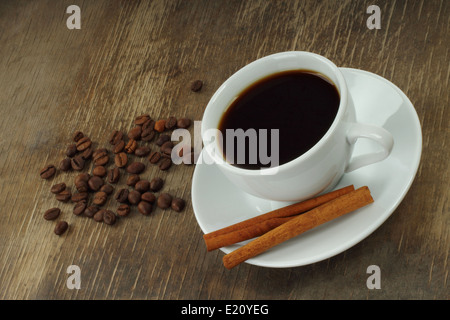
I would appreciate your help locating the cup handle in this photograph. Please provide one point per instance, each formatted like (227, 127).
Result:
(377, 134)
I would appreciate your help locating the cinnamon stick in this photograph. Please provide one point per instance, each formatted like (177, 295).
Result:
(259, 225)
(299, 224)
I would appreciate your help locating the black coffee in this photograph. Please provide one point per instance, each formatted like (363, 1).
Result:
(301, 104)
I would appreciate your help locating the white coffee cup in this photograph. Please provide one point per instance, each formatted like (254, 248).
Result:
(320, 168)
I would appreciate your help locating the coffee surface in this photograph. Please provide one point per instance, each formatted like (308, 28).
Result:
(301, 104)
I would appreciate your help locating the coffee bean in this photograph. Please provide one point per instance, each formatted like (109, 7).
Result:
(140, 120)
(83, 143)
(64, 196)
(160, 125)
(123, 210)
(196, 85)
(165, 164)
(82, 177)
(142, 151)
(87, 154)
(135, 133)
(107, 188)
(52, 214)
(171, 122)
(100, 198)
(145, 207)
(77, 136)
(109, 217)
(95, 183)
(148, 196)
(61, 227)
(57, 188)
(131, 146)
(79, 208)
(148, 125)
(100, 157)
(162, 139)
(164, 200)
(156, 184)
(90, 211)
(136, 168)
(115, 137)
(178, 204)
(81, 186)
(148, 135)
(154, 157)
(183, 123)
(100, 151)
(142, 186)
(114, 175)
(167, 147)
(121, 159)
(132, 179)
(134, 197)
(119, 147)
(77, 163)
(71, 150)
(99, 171)
(98, 216)
(79, 196)
(122, 195)
(65, 165)
(48, 172)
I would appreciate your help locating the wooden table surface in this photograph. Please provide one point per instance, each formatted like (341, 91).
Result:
(135, 57)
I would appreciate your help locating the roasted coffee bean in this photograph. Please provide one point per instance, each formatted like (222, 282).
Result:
(114, 175)
(109, 217)
(100, 198)
(77, 136)
(121, 159)
(84, 176)
(95, 183)
(57, 188)
(79, 196)
(87, 154)
(48, 171)
(65, 165)
(162, 139)
(148, 196)
(154, 157)
(196, 85)
(148, 125)
(131, 146)
(148, 135)
(107, 188)
(171, 122)
(98, 216)
(164, 200)
(132, 179)
(142, 186)
(100, 157)
(71, 150)
(142, 151)
(178, 204)
(99, 171)
(134, 197)
(90, 211)
(145, 207)
(165, 164)
(160, 125)
(115, 137)
(166, 148)
(122, 195)
(119, 147)
(156, 184)
(79, 208)
(61, 227)
(77, 163)
(64, 196)
(135, 133)
(183, 123)
(83, 143)
(99, 151)
(136, 167)
(123, 210)
(52, 214)
(140, 120)
(81, 186)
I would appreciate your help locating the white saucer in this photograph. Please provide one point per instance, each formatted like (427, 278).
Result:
(218, 203)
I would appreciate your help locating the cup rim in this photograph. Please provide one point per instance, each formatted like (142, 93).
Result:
(341, 86)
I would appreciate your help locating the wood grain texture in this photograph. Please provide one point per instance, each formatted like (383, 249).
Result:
(134, 57)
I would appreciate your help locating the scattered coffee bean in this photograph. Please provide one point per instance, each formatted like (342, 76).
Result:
(136, 167)
(61, 227)
(83, 143)
(87, 154)
(79, 196)
(196, 85)
(142, 151)
(149, 197)
(95, 183)
(65, 165)
(109, 217)
(52, 214)
(132, 179)
(116, 136)
(107, 188)
(82, 177)
(134, 197)
(122, 195)
(100, 157)
(148, 125)
(77, 136)
(131, 146)
(48, 171)
(64, 196)
(99, 171)
(98, 216)
(100, 198)
(156, 184)
(162, 139)
(160, 125)
(99, 151)
(167, 147)
(90, 211)
(171, 122)
(164, 200)
(114, 175)
(79, 208)
(142, 186)
(135, 133)
(57, 188)
(119, 146)
(71, 150)
(81, 186)
(148, 135)
(123, 210)
(183, 123)
(177, 204)
(140, 120)
(121, 159)
(77, 163)
(145, 207)
(165, 164)
(154, 157)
